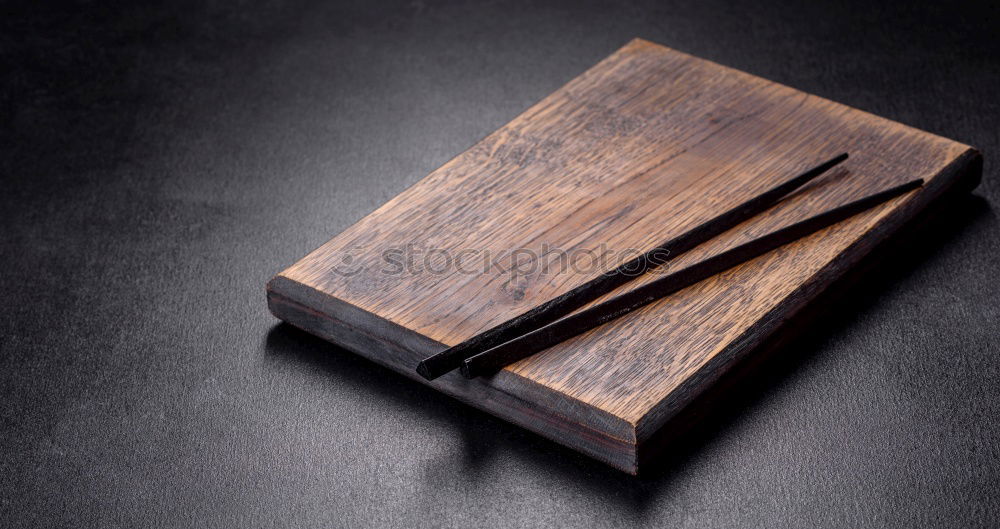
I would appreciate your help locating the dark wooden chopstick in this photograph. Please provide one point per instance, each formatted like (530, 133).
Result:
(452, 358)
(570, 326)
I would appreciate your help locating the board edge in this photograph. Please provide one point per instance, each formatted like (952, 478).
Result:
(962, 174)
(508, 396)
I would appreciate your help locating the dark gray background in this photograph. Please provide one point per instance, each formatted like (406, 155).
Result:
(161, 162)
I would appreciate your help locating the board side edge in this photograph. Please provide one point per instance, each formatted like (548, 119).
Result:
(963, 173)
(557, 417)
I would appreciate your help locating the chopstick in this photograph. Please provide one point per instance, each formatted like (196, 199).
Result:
(452, 358)
(579, 323)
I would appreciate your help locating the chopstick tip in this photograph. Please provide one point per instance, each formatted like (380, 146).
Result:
(824, 167)
(916, 183)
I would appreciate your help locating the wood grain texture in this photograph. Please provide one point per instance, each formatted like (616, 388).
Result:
(643, 146)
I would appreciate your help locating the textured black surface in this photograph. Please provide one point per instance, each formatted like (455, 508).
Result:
(160, 163)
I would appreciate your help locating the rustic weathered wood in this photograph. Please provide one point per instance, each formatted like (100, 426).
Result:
(490, 361)
(644, 145)
(608, 281)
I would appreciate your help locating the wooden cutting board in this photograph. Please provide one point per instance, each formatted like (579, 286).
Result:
(644, 145)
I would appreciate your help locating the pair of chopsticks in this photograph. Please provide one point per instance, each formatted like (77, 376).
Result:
(548, 324)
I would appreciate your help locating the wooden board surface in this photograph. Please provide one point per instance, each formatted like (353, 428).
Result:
(645, 144)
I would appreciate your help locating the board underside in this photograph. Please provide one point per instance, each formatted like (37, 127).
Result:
(639, 148)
